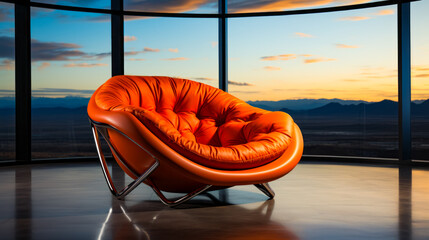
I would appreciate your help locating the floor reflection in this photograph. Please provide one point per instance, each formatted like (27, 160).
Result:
(23, 208)
(405, 230)
(316, 201)
(224, 221)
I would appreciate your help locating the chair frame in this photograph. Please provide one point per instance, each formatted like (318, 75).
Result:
(101, 129)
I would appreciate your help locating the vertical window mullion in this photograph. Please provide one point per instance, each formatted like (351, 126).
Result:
(117, 23)
(23, 81)
(223, 46)
(404, 82)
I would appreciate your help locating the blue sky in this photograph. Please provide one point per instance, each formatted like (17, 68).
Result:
(348, 55)
(180, 47)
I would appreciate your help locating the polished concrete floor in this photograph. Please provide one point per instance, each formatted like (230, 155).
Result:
(314, 201)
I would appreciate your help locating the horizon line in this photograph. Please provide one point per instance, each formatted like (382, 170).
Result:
(295, 99)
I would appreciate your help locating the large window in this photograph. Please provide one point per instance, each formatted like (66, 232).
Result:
(176, 47)
(334, 72)
(70, 58)
(7, 82)
(338, 80)
(420, 80)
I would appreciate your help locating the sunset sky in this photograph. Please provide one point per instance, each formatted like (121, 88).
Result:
(347, 55)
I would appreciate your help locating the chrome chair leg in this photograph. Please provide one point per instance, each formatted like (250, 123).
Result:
(187, 197)
(130, 187)
(266, 189)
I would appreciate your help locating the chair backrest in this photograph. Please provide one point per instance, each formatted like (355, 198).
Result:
(203, 123)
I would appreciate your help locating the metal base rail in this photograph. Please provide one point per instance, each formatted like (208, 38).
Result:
(266, 189)
(99, 128)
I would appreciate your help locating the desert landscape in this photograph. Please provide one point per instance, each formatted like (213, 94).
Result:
(342, 129)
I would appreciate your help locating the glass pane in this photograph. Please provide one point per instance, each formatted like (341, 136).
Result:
(175, 47)
(7, 82)
(420, 80)
(104, 4)
(70, 59)
(337, 79)
(243, 6)
(172, 6)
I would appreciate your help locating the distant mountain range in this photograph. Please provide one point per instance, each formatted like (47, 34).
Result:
(42, 102)
(301, 104)
(310, 107)
(383, 108)
(74, 102)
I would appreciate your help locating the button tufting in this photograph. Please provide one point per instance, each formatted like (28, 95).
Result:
(224, 132)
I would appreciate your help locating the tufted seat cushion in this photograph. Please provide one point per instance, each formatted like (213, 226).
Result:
(203, 123)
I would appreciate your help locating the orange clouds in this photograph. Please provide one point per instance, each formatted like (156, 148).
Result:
(354, 80)
(172, 6)
(385, 12)
(354, 18)
(316, 60)
(136, 59)
(147, 49)
(279, 5)
(203, 79)
(175, 50)
(85, 65)
(421, 75)
(239, 83)
(382, 12)
(339, 45)
(420, 71)
(272, 68)
(381, 76)
(378, 73)
(176, 59)
(419, 68)
(131, 53)
(129, 38)
(44, 65)
(283, 57)
(7, 64)
(304, 35)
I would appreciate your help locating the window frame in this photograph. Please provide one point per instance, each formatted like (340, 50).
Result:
(23, 57)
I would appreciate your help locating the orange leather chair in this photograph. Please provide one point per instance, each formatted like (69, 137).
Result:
(177, 135)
